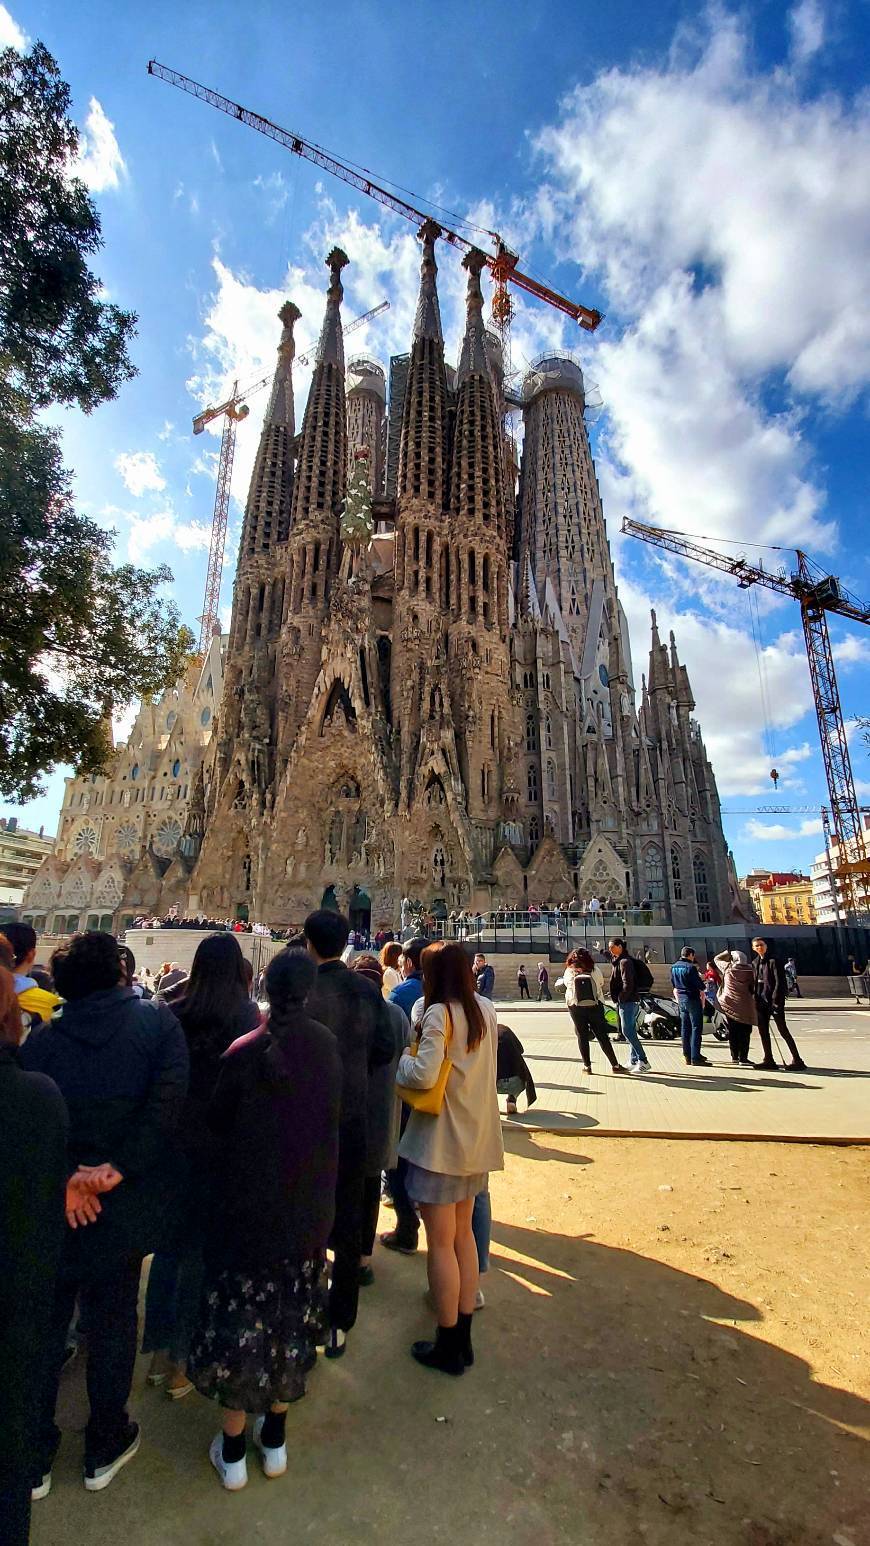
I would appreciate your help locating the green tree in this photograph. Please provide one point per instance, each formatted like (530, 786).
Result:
(78, 634)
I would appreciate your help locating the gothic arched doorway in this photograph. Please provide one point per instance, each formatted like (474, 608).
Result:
(330, 901)
(360, 910)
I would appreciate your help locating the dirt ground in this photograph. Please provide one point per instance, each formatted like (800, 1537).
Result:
(675, 1349)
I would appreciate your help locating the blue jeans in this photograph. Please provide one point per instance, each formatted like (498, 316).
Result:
(691, 1025)
(481, 1228)
(627, 1019)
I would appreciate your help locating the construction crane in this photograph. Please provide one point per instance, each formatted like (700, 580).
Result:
(235, 409)
(502, 263)
(818, 594)
(208, 414)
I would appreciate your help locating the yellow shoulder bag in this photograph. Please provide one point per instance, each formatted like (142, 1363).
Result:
(430, 1101)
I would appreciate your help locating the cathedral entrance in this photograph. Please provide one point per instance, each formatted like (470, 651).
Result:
(329, 901)
(360, 910)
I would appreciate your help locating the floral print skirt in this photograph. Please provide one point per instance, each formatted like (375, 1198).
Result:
(258, 1333)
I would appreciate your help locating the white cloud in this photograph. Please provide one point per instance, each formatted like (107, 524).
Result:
(140, 472)
(100, 164)
(11, 35)
(807, 28)
(192, 536)
(146, 532)
(777, 832)
(851, 651)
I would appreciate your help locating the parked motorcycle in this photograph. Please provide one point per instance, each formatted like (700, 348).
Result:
(658, 1018)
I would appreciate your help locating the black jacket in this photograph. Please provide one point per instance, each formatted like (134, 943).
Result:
(275, 1112)
(770, 983)
(355, 1012)
(33, 1175)
(623, 982)
(121, 1065)
(511, 1064)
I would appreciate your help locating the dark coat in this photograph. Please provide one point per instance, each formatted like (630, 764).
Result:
(383, 1104)
(353, 1009)
(511, 1064)
(33, 1175)
(623, 981)
(121, 1065)
(276, 1114)
(770, 983)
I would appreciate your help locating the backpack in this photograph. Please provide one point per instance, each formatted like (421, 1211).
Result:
(584, 989)
(643, 977)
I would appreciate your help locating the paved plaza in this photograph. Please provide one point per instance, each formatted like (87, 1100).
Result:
(830, 1101)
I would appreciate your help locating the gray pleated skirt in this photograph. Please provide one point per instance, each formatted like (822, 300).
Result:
(433, 1187)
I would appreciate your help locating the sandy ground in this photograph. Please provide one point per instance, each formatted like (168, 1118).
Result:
(675, 1349)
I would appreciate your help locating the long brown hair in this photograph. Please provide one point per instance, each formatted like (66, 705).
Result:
(582, 960)
(10, 1013)
(391, 954)
(448, 979)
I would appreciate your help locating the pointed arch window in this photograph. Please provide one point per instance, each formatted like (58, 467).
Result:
(551, 779)
(654, 873)
(531, 733)
(534, 833)
(676, 874)
(532, 783)
(548, 733)
(702, 888)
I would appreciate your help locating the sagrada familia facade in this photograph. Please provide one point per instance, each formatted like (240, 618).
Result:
(428, 689)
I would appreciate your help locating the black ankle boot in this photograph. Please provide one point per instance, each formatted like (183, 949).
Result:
(463, 1337)
(445, 1353)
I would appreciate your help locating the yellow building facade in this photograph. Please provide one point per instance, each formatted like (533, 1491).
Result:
(784, 899)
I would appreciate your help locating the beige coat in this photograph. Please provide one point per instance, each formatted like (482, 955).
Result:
(465, 1138)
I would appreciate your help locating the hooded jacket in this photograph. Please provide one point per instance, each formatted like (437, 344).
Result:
(121, 1065)
(736, 995)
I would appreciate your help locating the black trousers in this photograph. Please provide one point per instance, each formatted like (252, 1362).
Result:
(15, 1513)
(371, 1209)
(524, 990)
(739, 1035)
(108, 1306)
(407, 1217)
(765, 1015)
(589, 1020)
(346, 1238)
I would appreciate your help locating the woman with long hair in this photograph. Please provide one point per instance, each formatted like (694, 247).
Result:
(270, 1210)
(214, 1009)
(450, 1155)
(390, 956)
(584, 998)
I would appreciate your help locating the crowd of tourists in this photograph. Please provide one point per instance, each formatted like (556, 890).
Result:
(235, 1146)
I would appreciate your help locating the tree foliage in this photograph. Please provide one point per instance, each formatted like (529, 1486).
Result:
(78, 635)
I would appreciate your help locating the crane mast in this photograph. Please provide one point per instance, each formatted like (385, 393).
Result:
(817, 595)
(220, 517)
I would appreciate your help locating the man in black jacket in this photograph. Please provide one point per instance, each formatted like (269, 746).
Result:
(121, 1066)
(770, 987)
(623, 993)
(355, 1012)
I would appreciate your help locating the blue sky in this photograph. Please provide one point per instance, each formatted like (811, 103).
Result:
(699, 174)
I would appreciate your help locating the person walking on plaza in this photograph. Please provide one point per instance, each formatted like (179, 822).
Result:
(712, 982)
(623, 993)
(543, 983)
(791, 977)
(737, 1002)
(356, 1013)
(382, 1118)
(522, 983)
(769, 985)
(214, 1011)
(121, 1065)
(484, 976)
(406, 1233)
(451, 1154)
(688, 985)
(263, 1311)
(584, 999)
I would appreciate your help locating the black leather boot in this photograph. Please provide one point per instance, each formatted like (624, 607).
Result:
(463, 1336)
(445, 1353)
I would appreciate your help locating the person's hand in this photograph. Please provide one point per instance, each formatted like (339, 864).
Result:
(98, 1178)
(82, 1205)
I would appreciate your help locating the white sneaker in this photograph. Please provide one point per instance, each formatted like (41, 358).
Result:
(479, 1301)
(274, 1460)
(638, 1068)
(233, 1473)
(42, 1488)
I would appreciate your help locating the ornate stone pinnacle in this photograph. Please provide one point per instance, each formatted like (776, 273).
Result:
(335, 262)
(289, 314)
(475, 262)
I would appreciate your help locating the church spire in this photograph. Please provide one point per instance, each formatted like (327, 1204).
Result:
(423, 447)
(267, 511)
(321, 469)
(477, 493)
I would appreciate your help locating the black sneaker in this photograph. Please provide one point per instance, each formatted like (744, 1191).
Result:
(701, 1063)
(771, 1068)
(394, 1242)
(101, 1469)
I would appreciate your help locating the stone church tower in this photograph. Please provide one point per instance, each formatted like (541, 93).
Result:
(429, 692)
